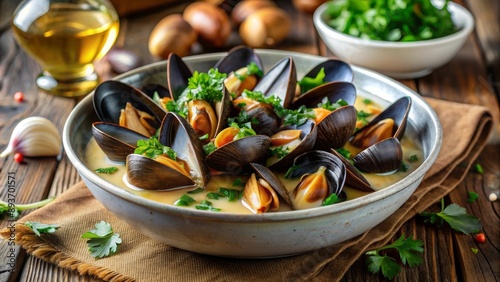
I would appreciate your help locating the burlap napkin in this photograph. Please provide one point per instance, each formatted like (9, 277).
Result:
(143, 259)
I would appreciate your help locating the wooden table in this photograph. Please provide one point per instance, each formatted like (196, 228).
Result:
(473, 77)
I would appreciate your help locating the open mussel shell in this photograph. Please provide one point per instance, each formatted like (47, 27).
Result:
(335, 70)
(151, 89)
(148, 174)
(278, 186)
(333, 91)
(223, 111)
(237, 58)
(336, 128)
(178, 74)
(111, 96)
(382, 157)
(280, 81)
(115, 141)
(354, 178)
(308, 136)
(176, 133)
(236, 156)
(397, 111)
(268, 122)
(310, 162)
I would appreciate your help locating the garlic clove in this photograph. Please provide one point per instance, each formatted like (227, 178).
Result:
(34, 137)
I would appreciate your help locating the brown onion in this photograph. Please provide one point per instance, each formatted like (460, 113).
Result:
(172, 35)
(246, 8)
(266, 27)
(211, 22)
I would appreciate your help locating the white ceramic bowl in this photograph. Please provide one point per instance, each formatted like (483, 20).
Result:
(262, 235)
(397, 59)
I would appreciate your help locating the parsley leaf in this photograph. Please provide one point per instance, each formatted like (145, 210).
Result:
(209, 148)
(206, 86)
(361, 116)
(102, 240)
(238, 182)
(308, 83)
(326, 104)
(185, 200)
(456, 216)
(473, 196)
(479, 169)
(330, 200)
(409, 253)
(279, 152)
(39, 228)
(152, 148)
(413, 158)
(207, 206)
(107, 170)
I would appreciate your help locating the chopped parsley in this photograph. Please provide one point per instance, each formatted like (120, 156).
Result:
(152, 148)
(279, 152)
(209, 148)
(308, 83)
(238, 182)
(413, 158)
(330, 200)
(185, 200)
(107, 170)
(196, 191)
(473, 196)
(479, 169)
(404, 167)
(344, 152)
(367, 101)
(361, 116)
(206, 205)
(326, 104)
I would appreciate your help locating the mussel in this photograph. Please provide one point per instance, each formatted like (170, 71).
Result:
(120, 103)
(165, 174)
(379, 139)
(335, 124)
(115, 141)
(280, 81)
(332, 71)
(321, 174)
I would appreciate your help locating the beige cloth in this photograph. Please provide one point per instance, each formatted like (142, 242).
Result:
(142, 259)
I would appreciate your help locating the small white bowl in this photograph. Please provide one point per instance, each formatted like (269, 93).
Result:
(397, 59)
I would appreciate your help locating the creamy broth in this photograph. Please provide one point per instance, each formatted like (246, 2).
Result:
(95, 158)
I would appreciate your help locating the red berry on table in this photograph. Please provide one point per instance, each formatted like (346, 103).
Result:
(18, 157)
(480, 238)
(19, 96)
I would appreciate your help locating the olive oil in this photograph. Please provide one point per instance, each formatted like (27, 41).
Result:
(66, 40)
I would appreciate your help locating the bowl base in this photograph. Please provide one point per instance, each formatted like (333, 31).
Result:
(408, 75)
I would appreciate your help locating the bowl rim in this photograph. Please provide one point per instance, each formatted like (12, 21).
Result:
(293, 215)
(456, 10)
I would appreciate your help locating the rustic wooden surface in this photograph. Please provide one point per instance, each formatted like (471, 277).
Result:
(473, 77)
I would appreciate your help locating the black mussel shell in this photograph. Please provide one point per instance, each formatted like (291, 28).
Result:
(308, 136)
(398, 111)
(111, 96)
(333, 91)
(176, 133)
(237, 58)
(280, 81)
(151, 89)
(236, 156)
(115, 141)
(335, 70)
(336, 128)
(178, 74)
(278, 186)
(382, 157)
(268, 122)
(354, 178)
(311, 161)
(148, 174)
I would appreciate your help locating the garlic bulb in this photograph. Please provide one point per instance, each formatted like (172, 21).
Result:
(34, 137)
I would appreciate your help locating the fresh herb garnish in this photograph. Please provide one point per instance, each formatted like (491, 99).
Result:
(196, 191)
(230, 194)
(179, 107)
(367, 101)
(474, 250)
(102, 240)
(326, 104)
(107, 170)
(393, 20)
(409, 252)
(297, 117)
(242, 118)
(152, 148)
(404, 167)
(361, 116)
(204, 137)
(185, 200)
(344, 152)
(39, 228)
(456, 216)
(13, 210)
(238, 182)
(290, 171)
(330, 200)
(279, 152)
(206, 86)
(413, 158)
(209, 148)
(206, 205)
(252, 68)
(473, 196)
(479, 169)
(308, 83)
